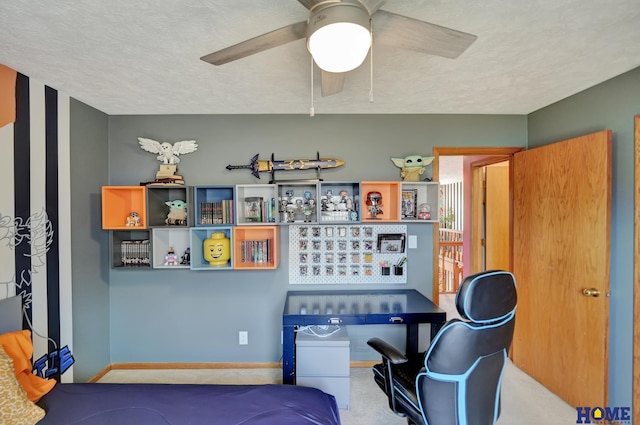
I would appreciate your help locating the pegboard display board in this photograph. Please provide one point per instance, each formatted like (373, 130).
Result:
(343, 254)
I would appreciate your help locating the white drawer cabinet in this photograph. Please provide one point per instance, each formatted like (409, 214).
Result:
(323, 363)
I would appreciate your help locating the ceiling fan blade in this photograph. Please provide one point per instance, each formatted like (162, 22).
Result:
(309, 4)
(332, 82)
(258, 44)
(400, 31)
(372, 5)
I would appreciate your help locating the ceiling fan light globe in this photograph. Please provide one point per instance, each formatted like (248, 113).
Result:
(340, 47)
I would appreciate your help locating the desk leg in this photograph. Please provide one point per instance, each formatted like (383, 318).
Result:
(288, 355)
(435, 328)
(412, 338)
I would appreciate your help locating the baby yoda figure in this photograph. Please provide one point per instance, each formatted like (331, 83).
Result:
(177, 213)
(412, 166)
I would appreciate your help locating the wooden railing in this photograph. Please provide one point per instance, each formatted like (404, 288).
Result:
(450, 260)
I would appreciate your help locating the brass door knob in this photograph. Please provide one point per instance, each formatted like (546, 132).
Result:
(590, 292)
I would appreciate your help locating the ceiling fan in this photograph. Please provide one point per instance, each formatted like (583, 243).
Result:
(339, 34)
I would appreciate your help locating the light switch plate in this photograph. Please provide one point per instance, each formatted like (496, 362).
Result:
(413, 241)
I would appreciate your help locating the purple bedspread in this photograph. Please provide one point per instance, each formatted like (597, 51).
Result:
(187, 404)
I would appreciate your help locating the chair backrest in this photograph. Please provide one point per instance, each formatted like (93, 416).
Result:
(465, 361)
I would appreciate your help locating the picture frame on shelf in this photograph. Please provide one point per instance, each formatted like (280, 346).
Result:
(409, 203)
(391, 243)
(253, 209)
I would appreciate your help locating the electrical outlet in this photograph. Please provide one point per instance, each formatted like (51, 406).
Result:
(243, 337)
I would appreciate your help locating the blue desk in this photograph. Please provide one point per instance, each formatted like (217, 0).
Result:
(406, 307)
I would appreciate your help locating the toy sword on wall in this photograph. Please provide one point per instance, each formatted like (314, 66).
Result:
(258, 166)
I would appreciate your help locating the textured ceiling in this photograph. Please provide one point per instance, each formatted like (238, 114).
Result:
(142, 57)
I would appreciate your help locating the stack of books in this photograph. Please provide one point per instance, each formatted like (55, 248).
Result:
(135, 253)
(258, 251)
(220, 212)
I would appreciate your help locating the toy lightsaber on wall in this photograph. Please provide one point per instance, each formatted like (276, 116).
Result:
(258, 166)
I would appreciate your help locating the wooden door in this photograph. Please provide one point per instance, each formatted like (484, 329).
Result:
(497, 223)
(562, 226)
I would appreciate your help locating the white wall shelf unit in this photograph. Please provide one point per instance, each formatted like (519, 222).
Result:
(256, 204)
(298, 203)
(165, 239)
(339, 202)
(221, 208)
(416, 194)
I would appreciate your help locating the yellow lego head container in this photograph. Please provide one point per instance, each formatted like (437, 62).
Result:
(217, 249)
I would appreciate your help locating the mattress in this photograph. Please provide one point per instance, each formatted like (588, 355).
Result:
(187, 404)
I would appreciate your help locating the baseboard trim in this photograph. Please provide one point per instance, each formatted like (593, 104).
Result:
(363, 364)
(100, 374)
(197, 365)
(207, 365)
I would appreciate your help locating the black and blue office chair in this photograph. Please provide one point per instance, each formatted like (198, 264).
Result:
(457, 381)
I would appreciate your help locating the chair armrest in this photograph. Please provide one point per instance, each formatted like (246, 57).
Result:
(387, 351)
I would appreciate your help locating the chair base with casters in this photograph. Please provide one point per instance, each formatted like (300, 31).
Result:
(457, 381)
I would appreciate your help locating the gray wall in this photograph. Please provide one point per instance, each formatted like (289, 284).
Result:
(90, 290)
(195, 316)
(610, 105)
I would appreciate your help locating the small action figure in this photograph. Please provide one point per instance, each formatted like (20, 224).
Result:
(291, 213)
(307, 214)
(186, 257)
(374, 201)
(171, 259)
(133, 220)
(177, 214)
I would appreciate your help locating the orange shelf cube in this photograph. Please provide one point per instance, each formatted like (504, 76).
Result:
(390, 191)
(118, 202)
(256, 247)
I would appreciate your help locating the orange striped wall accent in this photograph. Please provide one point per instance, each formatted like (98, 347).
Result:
(8, 98)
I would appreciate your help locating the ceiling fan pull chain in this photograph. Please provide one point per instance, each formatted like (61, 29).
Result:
(371, 63)
(312, 109)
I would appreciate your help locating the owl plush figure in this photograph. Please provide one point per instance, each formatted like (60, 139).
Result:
(412, 166)
(168, 153)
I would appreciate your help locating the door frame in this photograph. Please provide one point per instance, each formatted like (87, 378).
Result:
(636, 276)
(505, 153)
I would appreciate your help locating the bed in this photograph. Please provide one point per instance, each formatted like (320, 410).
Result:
(193, 404)
(28, 399)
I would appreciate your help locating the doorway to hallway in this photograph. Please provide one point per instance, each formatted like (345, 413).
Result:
(474, 231)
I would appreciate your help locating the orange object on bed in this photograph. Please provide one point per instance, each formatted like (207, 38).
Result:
(19, 347)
